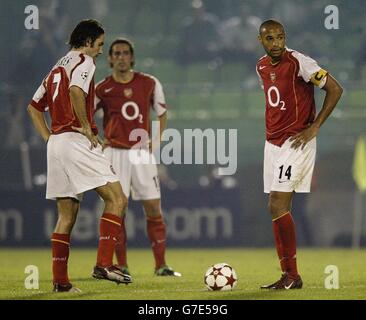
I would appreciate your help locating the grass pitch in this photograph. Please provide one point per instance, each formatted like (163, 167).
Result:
(253, 266)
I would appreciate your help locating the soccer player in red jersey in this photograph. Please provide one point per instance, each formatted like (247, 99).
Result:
(288, 79)
(126, 98)
(75, 160)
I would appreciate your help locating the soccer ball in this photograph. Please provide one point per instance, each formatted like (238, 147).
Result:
(220, 276)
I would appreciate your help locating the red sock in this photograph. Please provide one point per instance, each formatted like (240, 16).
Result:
(286, 233)
(109, 229)
(156, 231)
(279, 247)
(60, 256)
(121, 252)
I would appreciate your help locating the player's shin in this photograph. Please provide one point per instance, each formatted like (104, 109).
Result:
(109, 228)
(156, 231)
(60, 257)
(121, 245)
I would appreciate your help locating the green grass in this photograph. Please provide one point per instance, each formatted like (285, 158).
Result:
(254, 267)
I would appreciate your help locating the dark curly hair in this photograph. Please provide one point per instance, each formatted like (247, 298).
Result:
(86, 30)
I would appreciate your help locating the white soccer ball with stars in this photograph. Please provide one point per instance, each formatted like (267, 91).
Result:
(221, 277)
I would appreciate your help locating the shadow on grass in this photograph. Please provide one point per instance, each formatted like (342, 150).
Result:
(254, 295)
(88, 279)
(55, 296)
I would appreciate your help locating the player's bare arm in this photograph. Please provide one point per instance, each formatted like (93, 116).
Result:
(333, 93)
(39, 122)
(77, 97)
(163, 122)
(163, 119)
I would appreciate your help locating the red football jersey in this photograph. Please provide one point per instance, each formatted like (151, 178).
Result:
(74, 69)
(290, 104)
(127, 106)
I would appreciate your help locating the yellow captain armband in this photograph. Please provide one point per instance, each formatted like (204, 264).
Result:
(319, 78)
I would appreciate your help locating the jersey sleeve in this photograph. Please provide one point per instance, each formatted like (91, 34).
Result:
(310, 70)
(83, 74)
(158, 102)
(98, 101)
(39, 100)
(259, 78)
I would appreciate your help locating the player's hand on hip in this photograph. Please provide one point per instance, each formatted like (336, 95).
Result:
(87, 132)
(303, 137)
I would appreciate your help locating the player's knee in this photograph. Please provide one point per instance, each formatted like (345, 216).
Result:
(125, 206)
(122, 203)
(277, 208)
(277, 204)
(271, 207)
(119, 203)
(152, 208)
(121, 200)
(115, 201)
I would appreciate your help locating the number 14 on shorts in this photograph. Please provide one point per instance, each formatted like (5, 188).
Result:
(285, 172)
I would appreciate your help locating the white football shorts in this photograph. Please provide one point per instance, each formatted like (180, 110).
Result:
(286, 169)
(137, 171)
(72, 168)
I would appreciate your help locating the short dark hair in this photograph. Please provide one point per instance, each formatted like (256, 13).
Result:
(123, 41)
(85, 30)
(270, 22)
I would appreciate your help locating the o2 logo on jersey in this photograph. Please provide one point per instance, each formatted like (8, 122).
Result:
(274, 99)
(135, 111)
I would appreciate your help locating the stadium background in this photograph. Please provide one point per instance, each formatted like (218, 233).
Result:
(216, 87)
